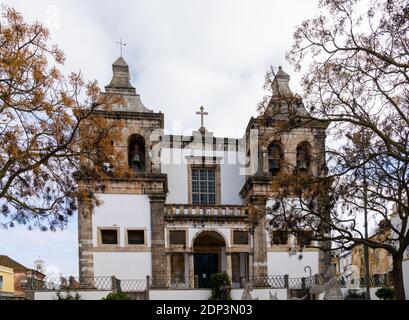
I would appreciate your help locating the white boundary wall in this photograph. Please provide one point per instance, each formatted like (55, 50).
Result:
(345, 290)
(85, 295)
(204, 294)
(198, 294)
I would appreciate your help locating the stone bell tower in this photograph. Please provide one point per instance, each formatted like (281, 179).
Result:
(140, 129)
(284, 141)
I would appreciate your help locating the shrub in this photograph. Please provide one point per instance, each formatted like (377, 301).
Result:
(216, 281)
(116, 296)
(385, 293)
(68, 296)
(354, 294)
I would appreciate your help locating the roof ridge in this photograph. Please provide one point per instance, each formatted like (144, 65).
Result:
(6, 261)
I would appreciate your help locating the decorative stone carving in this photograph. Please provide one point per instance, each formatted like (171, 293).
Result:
(273, 296)
(248, 288)
(330, 288)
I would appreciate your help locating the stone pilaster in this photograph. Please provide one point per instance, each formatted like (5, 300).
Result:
(85, 251)
(251, 265)
(191, 271)
(257, 212)
(229, 265)
(160, 265)
(169, 269)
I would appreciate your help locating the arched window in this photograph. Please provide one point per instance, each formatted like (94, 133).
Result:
(304, 156)
(275, 157)
(136, 153)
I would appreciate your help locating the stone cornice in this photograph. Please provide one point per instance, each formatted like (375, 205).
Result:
(256, 186)
(152, 116)
(262, 121)
(138, 183)
(198, 218)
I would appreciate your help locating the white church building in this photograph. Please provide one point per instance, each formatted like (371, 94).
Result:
(192, 206)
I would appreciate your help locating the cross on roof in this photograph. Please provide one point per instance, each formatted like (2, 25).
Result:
(202, 114)
(121, 44)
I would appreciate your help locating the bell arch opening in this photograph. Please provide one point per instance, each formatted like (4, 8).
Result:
(275, 158)
(304, 156)
(137, 153)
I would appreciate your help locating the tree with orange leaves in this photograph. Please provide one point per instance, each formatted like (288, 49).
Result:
(41, 113)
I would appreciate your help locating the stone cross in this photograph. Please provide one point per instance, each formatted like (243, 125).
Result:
(202, 114)
(121, 44)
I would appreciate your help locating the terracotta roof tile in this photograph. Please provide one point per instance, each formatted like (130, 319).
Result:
(10, 263)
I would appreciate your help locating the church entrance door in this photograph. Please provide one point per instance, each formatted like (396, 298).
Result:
(205, 266)
(209, 256)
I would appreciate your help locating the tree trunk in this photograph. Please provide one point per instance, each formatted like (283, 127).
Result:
(397, 274)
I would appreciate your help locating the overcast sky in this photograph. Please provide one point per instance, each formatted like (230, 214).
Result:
(182, 54)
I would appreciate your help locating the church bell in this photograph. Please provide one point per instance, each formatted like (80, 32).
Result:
(136, 159)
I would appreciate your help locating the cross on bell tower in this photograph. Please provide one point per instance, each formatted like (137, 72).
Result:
(202, 114)
(121, 45)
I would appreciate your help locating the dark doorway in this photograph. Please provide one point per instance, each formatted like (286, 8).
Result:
(206, 264)
(207, 249)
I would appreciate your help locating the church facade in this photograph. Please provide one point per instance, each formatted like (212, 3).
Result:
(193, 205)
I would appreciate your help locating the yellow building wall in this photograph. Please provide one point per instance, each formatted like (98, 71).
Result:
(380, 262)
(8, 279)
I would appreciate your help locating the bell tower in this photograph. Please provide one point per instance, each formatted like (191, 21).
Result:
(139, 129)
(287, 138)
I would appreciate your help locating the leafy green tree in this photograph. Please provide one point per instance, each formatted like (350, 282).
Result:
(217, 281)
(385, 293)
(116, 296)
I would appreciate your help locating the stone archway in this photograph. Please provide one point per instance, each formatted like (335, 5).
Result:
(209, 251)
(137, 153)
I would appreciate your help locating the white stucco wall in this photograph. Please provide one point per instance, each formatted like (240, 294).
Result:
(174, 164)
(231, 179)
(123, 265)
(280, 263)
(122, 211)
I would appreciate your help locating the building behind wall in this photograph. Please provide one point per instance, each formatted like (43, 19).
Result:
(6, 283)
(22, 276)
(191, 206)
(380, 260)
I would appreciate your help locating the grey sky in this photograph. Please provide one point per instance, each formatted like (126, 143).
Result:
(182, 54)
